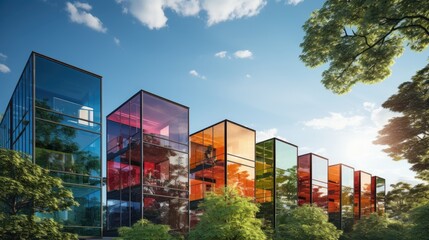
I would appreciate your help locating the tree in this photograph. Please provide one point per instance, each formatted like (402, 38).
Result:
(419, 218)
(228, 216)
(144, 229)
(27, 189)
(376, 227)
(403, 197)
(306, 222)
(361, 39)
(407, 136)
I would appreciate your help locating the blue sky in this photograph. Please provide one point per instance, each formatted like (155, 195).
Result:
(224, 59)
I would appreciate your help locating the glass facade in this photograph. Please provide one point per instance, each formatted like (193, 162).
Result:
(378, 195)
(54, 116)
(362, 195)
(147, 163)
(16, 126)
(313, 180)
(221, 155)
(340, 196)
(276, 178)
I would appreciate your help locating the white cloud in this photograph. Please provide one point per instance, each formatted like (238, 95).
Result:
(224, 10)
(294, 2)
(184, 7)
(243, 54)
(368, 106)
(379, 116)
(78, 13)
(335, 121)
(4, 68)
(248, 76)
(3, 57)
(221, 54)
(84, 6)
(267, 134)
(117, 41)
(151, 13)
(194, 73)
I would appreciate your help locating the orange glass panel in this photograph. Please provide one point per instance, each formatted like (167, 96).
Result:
(241, 141)
(219, 140)
(207, 166)
(334, 195)
(241, 177)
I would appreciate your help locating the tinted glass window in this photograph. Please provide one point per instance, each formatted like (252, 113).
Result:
(66, 90)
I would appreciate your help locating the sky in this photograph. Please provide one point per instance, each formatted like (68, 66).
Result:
(224, 59)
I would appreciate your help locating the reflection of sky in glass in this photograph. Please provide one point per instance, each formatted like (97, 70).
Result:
(320, 168)
(347, 176)
(67, 90)
(165, 119)
(286, 155)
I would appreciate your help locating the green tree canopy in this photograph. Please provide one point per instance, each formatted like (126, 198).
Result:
(144, 229)
(228, 216)
(377, 227)
(419, 218)
(407, 136)
(26, 189)
(360, 39)
(306, 222)
(403, 197)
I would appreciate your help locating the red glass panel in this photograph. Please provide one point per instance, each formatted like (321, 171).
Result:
(304, 188)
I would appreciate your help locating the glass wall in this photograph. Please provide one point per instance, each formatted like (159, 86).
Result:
(241, 158)
(207, 165)
(304, 179)
(347, 196)
(209, 171)
(362, 196)
(165, 162)
(124, 165)
(313, 180)
(378, 195)
(319, 173)
(16, 126)
(147, 163)
(334, 195)
(265, 176)
(286, 157)
(68, 138)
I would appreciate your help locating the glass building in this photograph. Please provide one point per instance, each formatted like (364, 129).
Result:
(276, 178)
(313, 180)
(221, 155)
(341, 196)
(54, 116)
(378, 195)
(362, 199)
(147, 163)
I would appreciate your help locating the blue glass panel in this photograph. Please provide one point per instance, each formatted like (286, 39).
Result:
(67, 90)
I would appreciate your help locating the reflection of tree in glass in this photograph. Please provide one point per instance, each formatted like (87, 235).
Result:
(239, 179)
(347, 209)
(56, 147)
(177, 177)
(286, 188)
